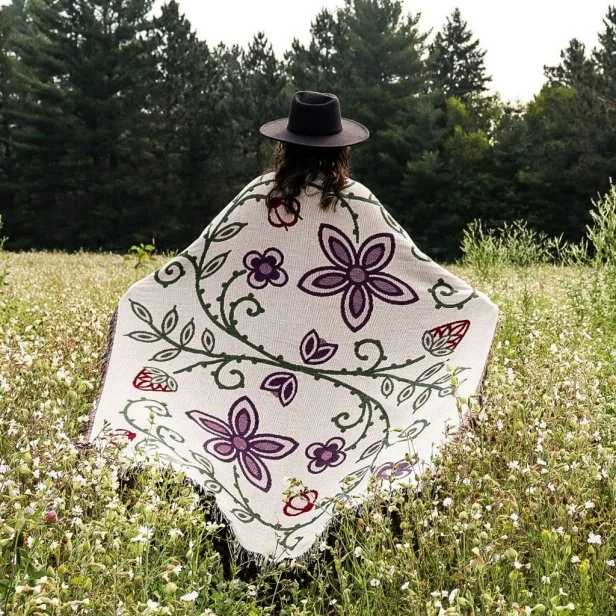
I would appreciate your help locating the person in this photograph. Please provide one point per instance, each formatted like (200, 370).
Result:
(300, 350)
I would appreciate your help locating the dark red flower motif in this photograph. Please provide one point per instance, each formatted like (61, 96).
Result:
(279, 215)
(155, 379)
(443, 340)
(283, 385)
(120, 436)
(300, 503)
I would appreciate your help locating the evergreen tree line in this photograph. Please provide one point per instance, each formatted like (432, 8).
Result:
(118, 125)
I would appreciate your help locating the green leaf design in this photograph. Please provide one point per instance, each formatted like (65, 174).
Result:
(166, 355)
(430, 372)
(214, 265)
(228, 231)
(212, 486)
(208, 341)
(422, 399)
(242, 515)
(387, 387)
(405, 394)
(371, 450)
(448, 391)
(414, 430)
(141, 312)
(170, 321)
(203, 462)
(144, 336)
(188, 332)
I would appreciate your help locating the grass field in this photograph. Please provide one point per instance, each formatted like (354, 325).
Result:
(519, 519)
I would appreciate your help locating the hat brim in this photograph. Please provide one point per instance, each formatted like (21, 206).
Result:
(352, 133)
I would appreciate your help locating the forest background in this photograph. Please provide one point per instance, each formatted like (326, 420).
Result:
(119, 126)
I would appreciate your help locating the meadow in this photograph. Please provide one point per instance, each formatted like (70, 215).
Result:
(517, 517)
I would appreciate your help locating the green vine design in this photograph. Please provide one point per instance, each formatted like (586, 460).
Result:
(442, 291)
(226, 368)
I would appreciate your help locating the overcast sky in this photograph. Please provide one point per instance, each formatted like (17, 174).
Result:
(520, 36)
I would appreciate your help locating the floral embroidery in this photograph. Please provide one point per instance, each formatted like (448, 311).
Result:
(300, 503)
(154, 379)
(443, 340)
(265, 268)
(390, 471)
(279, 215)
(357, 274)
(121, 436)
(238, 440)
(325, 455)
(283, 385)
(314, 350)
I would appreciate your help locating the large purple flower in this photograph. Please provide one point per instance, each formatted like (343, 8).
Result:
(265, 268)
(238, 440)
(324, 455)
(357, 274)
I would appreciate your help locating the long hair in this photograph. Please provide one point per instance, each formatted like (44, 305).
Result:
(296, 166)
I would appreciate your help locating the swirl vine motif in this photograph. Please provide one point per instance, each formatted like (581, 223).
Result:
(178, 335)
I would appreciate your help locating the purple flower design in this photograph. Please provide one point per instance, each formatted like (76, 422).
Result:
(357, 274)
(315, 350)
(265, 268)
(238, 440)
(390, 471)
(325, 455)
(283, 385)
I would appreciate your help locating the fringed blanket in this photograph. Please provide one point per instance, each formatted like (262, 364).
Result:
(285, 358)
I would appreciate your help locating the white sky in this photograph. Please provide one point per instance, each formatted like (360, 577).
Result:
(520, 36)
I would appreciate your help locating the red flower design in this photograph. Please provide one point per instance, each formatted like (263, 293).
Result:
(443, 340)
(279, 215)
(154, 379)
(300, 503)
(116, 437)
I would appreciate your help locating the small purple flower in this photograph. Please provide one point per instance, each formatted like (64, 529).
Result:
(390, 471)
(238, 440)
(357, 274)
(265, 268)
(325, 455)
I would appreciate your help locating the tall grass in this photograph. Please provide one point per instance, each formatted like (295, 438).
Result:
(518, 517)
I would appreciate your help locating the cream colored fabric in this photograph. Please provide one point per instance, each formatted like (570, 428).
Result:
(306, 344)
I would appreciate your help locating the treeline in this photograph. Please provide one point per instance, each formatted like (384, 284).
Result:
(118, 126)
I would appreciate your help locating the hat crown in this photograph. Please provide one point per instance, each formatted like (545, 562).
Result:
(315, 114)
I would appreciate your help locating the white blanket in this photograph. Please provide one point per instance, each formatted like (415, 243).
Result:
(285, 358)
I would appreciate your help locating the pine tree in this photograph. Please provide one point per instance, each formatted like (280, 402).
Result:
(6, 77)
(84, 69)
(456, 61)
(264, 95)
(575, 70)
(605, 57)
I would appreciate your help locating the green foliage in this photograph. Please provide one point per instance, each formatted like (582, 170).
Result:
(517, 513)
(489, 250)
(4, 266)
(117, 123)
(602, 232)
(141, 254)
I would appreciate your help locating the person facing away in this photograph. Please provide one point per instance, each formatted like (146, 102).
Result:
(299, 351)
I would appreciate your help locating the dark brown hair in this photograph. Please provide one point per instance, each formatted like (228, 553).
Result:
(296, 166)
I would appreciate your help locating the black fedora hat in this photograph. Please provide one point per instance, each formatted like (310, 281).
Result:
(315, 120)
